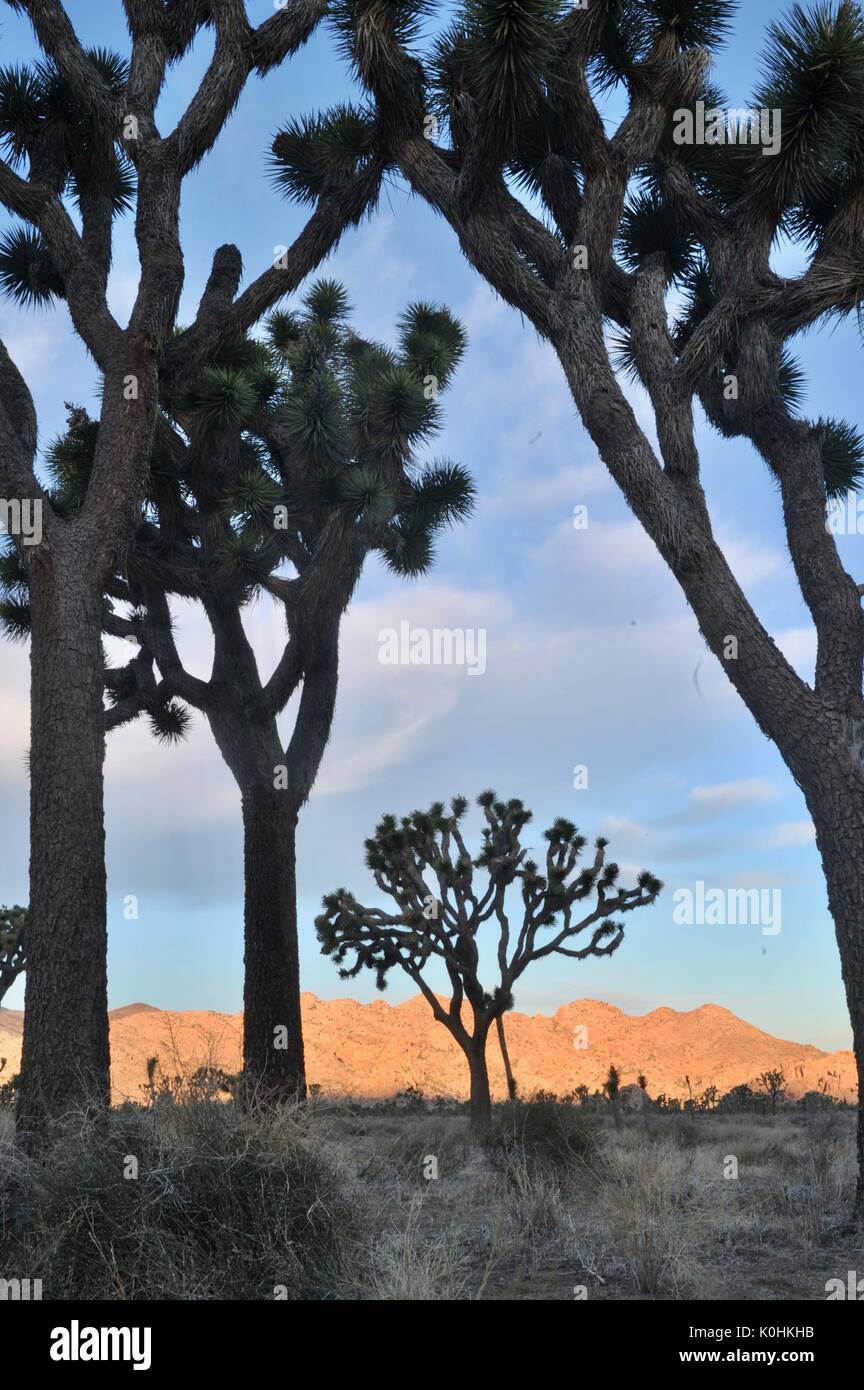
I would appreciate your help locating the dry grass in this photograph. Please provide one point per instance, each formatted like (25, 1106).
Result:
(348, 1201)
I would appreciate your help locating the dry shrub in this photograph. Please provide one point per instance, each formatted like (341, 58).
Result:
(652, 1220)
(413, 1263)
(556, 1135)
(226, 1204)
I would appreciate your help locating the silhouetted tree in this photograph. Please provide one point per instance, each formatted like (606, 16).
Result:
(422, 862)
(612, 1088)
(80, 126)
(709, 1098)
(773, 1083)
(280, 468)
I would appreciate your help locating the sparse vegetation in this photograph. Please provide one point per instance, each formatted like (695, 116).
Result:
(194, 1200)
(347, 1200)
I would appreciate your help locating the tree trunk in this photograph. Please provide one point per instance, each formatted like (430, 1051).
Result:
(481, 1100)
(272, 1029)
(65, 1061)
(838, 814)
(505, 1057)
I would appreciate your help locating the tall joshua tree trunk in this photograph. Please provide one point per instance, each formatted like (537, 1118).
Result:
(835, 799)
(481, 1100)
(66, 995)
(248, 738)
(474, 1047)
(272, 1033)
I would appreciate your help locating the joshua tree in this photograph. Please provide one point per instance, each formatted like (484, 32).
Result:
(13, 947)
(298, 453)
(422, 862)
(773, 1083)
(499, 127)
(612, 1088)
(81, 124)
(709, 1098)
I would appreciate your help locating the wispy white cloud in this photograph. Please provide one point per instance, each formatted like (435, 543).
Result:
(704, 803)
(791, 834)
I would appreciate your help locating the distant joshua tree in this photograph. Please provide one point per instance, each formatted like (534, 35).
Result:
(709, 1098)
(439, 918)
(612, 1087)
(773, 1083)
(13, 955)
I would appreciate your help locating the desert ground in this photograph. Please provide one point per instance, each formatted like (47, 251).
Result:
(194, 1198)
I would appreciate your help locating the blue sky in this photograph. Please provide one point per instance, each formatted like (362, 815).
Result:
(592, 655)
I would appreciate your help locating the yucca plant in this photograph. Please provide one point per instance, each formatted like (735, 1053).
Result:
(423, 863)
(588, 228)
(80, 144)
(278, 472)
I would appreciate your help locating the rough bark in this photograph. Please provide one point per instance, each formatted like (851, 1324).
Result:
(481, 1100)
(274, 784)
(830, 769)
(65, 1052)
(272, 1031)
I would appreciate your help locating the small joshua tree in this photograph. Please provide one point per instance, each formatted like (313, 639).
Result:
(13, 955)
(773, 1083)
(423, 864)
(612, 1087)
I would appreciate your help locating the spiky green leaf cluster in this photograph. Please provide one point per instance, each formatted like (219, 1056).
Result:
(169, 722)
(432, 341)
(649, 228)
(366, 28)
(28, 275)
(813, 73)
(842, 457)
(15, 619)
(313, 156)
(70, 461)
(491, 66)
(42, 120)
